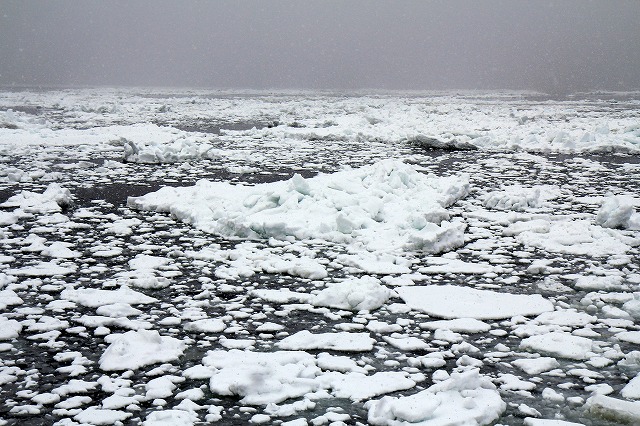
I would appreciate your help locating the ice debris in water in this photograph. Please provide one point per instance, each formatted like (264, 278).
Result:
(135, 349)
(448, 301)
(53, 199)
(619, 211)
(465, 399)
(385, 206)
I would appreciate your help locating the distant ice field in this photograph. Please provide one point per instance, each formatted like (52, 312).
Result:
(189, 256)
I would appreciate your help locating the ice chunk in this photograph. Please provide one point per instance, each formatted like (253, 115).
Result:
(171, 418)
(464, 399)
(448, 301)
(616, 211)
(355, 294)
(94, 298)
(100, 416)
(535, 366)
(357, 387)
(43, 269)
(135, 349)
(613, 409)
(578, 237)
(529, 421)
(53, 199)
(342, 341)
(9, 328)
(261, 378)
(514, 198)
(632, 389)
(458, 325)
(385, 206)
(559, 344)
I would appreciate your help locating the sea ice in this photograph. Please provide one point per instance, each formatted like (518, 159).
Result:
(341, 341)
(618, 211)
(261, 378)
(355, 294)
(578, 237)
(613, 409)
(464, 399)
(135, 349)
(53, 199)
(559, 344)
(514, 198)
(385, 206)
(93, 298)
(449, 301)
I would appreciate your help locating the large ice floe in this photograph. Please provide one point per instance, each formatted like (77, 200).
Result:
(385, 206)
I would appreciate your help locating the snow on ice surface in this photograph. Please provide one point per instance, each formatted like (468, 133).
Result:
(538, 223)
(135, 349)
(385, 206)
(448, 301)
(463, 399)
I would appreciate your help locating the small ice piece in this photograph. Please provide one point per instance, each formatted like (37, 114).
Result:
(338, 363)
(53, 199)
(616, 212)
(629, 336)
(8, 298)
(282, 296)
(206, 325)
(171, 418)
(535, 366)
(464, 399)
(94, 298)
(342, 341)
(60, 250)
(357, 386)
(613, 409)
(99, 416)
(449, 301)
(9, 328)
(458, 325)
(559, 344)
(597, 282)
(632, 389)
(375, 263)
(407, 343)
(135, 349)
(43, 269)
(355, 294)
(442, 265)
(118, 310)
(578, 237)
(261, 378)
(530, 421)
(514, 198)
(566, 317)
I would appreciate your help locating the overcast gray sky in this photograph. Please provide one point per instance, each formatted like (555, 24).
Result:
(561, 45)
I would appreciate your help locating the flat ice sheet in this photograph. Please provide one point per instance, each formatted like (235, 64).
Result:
(448, 301)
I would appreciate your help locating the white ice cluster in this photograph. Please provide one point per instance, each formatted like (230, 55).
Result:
(53, 199)
(385, 206)
(464, 399)
(618, 211)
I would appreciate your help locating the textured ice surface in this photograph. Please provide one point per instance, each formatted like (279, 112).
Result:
(464, 399)
(79, 270)
(388, 205)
